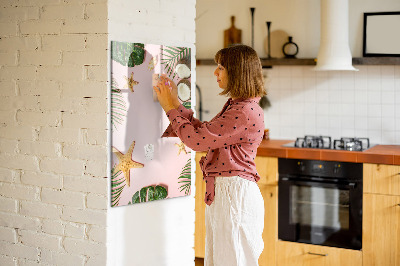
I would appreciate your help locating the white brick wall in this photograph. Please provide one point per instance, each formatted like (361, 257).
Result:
(53, 132)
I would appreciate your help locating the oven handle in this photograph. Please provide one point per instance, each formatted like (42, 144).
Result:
(298, 181)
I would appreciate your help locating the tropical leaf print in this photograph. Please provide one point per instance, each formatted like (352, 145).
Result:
(187, 104)
(117, 185)
(149, 193)
(186, 178)
(118, 105)
(170, 56)
(127, 54)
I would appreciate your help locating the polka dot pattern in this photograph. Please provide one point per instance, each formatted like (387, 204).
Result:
(231, 138)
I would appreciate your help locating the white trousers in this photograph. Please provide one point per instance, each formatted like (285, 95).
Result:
(234, 223)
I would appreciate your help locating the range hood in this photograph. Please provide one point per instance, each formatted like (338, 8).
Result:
(334, 51)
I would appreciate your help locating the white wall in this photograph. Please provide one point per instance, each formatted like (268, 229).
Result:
(160, 232)
(338, 104)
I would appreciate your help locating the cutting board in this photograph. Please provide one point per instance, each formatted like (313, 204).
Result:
(232, 35)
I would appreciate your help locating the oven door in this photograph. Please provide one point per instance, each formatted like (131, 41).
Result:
(321, 212)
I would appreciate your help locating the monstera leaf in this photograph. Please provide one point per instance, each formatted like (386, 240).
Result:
(186, 178)
(117, 185)
(127, 54)
(149, 193)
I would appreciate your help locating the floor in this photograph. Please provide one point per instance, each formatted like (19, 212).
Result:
(198, 262)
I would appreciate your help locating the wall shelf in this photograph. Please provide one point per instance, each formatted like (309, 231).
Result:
(312, 61)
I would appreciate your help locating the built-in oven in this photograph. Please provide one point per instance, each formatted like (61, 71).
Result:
(320, 202)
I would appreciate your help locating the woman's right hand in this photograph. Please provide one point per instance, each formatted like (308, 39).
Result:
(174, 90)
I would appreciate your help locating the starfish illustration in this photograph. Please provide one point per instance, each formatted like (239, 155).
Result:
(181, 147)
(126, 163)
(130, 82)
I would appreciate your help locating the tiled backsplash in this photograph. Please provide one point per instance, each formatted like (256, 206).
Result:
(338, 104)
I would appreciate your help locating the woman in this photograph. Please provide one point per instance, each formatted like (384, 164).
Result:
(235, 207)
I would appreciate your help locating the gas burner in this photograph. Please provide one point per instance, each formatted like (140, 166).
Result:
(321, 142)
(351, 144)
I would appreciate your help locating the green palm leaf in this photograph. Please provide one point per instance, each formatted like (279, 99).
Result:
(117, 185)
(186, 178)
(118, 105)
(149, 193)
(170, 56)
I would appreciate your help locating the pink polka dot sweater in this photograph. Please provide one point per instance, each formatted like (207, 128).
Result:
(231, 139)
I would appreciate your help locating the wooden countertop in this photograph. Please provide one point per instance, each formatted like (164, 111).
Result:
(379, 154)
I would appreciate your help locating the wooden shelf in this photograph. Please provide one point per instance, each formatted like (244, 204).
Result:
(312, 61)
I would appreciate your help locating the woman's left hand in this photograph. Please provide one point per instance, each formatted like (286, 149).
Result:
(164, 96)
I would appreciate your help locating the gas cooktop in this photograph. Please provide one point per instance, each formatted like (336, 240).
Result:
(325, 142)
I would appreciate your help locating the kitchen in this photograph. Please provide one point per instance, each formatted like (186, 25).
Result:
(304, 102)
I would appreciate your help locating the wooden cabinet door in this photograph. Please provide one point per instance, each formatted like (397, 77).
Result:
(381, 230)
(200, 207)
(298, 254)
(270, 233)
(267, 168)
(381, 179)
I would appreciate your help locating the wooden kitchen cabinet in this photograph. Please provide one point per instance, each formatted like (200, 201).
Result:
(298, 254)
(381, 230)
(270, 233)
(381, 179)
(200, 207)
(381, 215)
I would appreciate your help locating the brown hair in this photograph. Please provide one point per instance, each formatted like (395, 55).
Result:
(245, 78)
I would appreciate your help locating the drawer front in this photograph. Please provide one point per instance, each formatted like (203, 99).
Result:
(381, 179)
(293, 254)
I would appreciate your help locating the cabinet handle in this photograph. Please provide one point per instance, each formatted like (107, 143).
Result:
(318, 254)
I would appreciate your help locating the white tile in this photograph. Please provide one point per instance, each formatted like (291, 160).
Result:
(310, 95)
(296, 71)
(374, 97)
(388, 84)
(348, 132)
(322, 121)
(374, 84)
(388, 124)
(335, 122)
(388, 110)
(321, 83)
(334, 109)
(361, 110)
(374, 110)
(361, 97)
(285, 83)
(374, 123)
(397, 72)
(322, 109)
(310, 108)
(348, 96)
(375, 136)
(388, 137)
(347, 109)
(361, 123)
(387, 72)
(297, 83)
(388, 97)
(322, 96)
(348, 123)
(335, 95)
